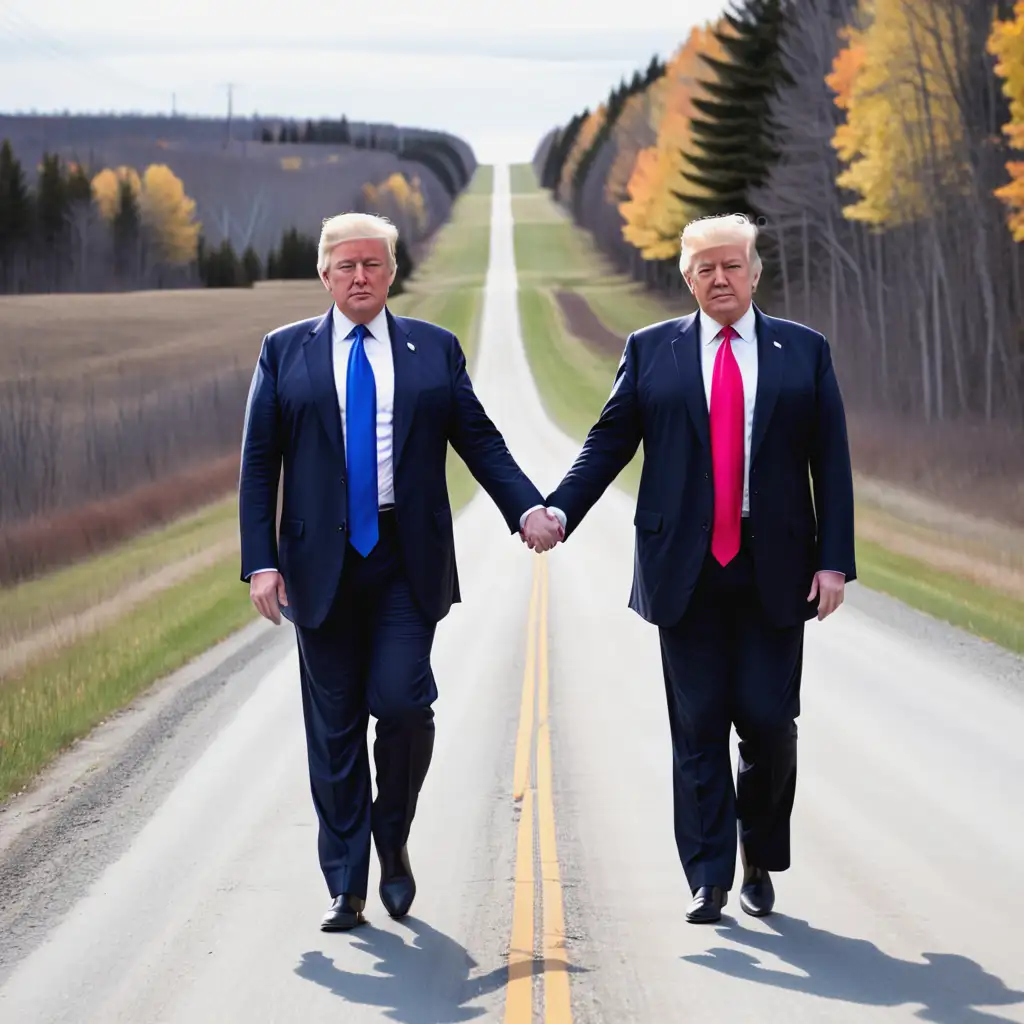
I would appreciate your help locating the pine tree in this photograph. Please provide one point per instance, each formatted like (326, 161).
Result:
(15, 215)
(252, 269)
(560, 148)
(734, 144)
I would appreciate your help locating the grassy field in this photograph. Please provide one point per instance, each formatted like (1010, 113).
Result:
(522, 179)
(574, 382)
(58, 697)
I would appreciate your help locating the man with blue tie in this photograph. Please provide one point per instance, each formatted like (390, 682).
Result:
(744, 530)
(358, 408)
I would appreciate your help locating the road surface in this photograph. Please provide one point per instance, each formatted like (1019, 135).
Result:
(178, 881)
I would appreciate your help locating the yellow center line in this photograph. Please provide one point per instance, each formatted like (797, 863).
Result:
(557, 1006)
(524, 741)
(536, 686)
(519, 993)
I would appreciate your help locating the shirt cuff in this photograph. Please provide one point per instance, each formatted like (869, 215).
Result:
(836, 571)
(256, 571)
(557, 512)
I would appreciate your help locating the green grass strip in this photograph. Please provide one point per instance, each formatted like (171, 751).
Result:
(52, 703)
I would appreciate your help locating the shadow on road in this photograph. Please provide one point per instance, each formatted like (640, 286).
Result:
(946, 986)
(425, 981)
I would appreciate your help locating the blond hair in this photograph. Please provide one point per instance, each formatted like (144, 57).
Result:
(710, 232)
(347, 227)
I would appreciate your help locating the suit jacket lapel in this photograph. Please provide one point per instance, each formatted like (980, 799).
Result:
(770, 361)
(404, 360)
(686, 352)
(319, 352)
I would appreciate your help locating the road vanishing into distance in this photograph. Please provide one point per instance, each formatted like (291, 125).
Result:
(177, 881)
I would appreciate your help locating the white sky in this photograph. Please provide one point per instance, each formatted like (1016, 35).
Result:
(498, 74)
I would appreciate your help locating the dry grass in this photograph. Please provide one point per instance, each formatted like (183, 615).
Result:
(107, 338)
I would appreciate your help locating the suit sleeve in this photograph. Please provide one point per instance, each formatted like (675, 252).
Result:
(832, 474)
(260, 469)
(479, 444)
(613, 440)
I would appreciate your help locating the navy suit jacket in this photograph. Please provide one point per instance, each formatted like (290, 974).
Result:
(798, 446)
(293, 421)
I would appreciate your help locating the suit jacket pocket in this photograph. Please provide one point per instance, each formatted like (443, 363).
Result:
(649, 521)
(292, 527)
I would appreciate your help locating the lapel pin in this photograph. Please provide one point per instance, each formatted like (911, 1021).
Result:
(412, 347)
(776, 344)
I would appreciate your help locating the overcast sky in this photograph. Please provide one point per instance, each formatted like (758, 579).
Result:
(499, 79)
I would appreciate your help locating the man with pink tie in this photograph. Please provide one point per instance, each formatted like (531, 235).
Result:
(744, 531)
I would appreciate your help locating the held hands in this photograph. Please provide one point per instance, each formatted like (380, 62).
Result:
(829, 587)
(542, 530)
(266, 591)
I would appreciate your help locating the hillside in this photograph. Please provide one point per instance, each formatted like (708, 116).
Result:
(249, 191)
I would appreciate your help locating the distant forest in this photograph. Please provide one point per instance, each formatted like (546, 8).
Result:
(105, 203)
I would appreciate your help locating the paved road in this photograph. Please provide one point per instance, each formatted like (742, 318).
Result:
(549, 886)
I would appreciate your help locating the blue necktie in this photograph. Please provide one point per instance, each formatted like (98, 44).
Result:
(361, 445)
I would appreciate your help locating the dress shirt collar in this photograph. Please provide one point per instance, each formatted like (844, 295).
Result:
(378, 326)
(744, 327)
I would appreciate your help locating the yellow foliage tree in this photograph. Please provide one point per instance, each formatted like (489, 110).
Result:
(1006, 44)
(903, 138)
(584, 138)
(170, 214)
(400, 200)
(631, 134)
(654, 214)
(106, 188)
(164, 207)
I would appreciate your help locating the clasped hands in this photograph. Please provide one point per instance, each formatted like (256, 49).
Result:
(542, 530)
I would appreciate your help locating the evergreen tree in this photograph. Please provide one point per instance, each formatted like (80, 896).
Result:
(295, 259)
(15, 214)
(52, 201)
(344, 135)
(560, 148)
(127, 231)
(733, 134)
(252, 269)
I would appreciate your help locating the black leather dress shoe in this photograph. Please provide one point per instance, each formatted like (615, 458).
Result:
(757, 896)
(345, 913)
(397, 886)
(707, 904)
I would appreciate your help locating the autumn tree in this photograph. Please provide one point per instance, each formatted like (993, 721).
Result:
(655, 210)
(1006, 43)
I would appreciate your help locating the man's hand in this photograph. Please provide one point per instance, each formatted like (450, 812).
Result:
(542, 530)
(266, 591)
(829, 587)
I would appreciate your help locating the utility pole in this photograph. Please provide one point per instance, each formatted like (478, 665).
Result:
(174, 104)
(230, 86)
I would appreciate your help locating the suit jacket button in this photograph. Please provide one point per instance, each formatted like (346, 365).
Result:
(704, 525)
(342, 527)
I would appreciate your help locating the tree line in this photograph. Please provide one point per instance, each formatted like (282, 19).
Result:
(118, 230)
(874, 143)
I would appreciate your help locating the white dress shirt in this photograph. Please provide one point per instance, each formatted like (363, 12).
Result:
(744, 348)
(378, 351)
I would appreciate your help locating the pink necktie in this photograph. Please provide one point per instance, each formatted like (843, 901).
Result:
(727, 450)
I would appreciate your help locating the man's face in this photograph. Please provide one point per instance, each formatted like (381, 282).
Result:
(722, 281)
(358, 278)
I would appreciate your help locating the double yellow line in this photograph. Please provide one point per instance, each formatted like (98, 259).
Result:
(536, 802)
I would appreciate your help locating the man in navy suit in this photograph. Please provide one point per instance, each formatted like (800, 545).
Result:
(358, 407)
(744, 531)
